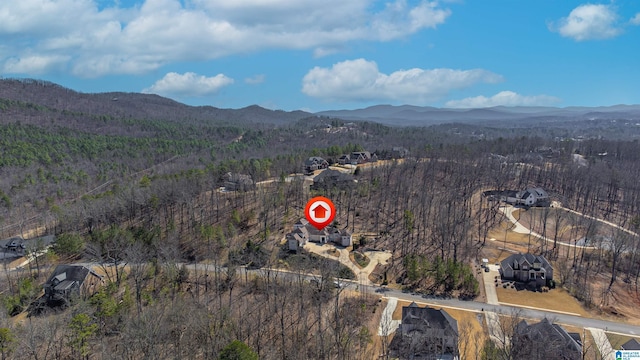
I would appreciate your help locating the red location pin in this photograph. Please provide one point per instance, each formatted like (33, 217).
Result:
(320, 212)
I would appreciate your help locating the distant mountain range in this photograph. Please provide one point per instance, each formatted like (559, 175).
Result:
(148, 106)
(136, 105)
(408, 115)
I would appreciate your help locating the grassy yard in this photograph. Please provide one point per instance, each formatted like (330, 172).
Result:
(616, 340)
(589, 347)
(359, 259)
(556, 299)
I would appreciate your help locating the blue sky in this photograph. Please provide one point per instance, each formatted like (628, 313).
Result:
(332, 54)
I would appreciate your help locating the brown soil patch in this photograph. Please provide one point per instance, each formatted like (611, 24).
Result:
(505, 238)
(397, 313)
(472, 331)
(333, 252)
(590, 347)
(555, 299)
(622, 303)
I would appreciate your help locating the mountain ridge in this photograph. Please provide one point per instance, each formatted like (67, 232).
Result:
(149, 106)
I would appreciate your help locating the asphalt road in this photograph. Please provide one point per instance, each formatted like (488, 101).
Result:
(526, 313)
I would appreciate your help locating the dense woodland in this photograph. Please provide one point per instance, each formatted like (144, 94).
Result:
(121, 183)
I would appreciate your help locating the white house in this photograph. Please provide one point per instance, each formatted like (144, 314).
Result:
(533, 196)
(303, 232)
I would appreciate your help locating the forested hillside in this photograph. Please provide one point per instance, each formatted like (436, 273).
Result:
(131, 183)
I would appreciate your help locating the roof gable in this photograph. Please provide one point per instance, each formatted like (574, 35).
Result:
(70, 273)
(527, 258)
(428, 317)
(547, 332)
(632, 344)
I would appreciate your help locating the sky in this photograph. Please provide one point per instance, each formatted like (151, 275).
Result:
(316, 55)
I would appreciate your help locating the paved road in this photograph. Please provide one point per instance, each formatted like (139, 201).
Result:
(564, 319)
(528, 313)
(519, 228)
(475, 306)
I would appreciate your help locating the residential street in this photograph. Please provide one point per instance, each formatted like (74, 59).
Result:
(475, 306)
(560, 318)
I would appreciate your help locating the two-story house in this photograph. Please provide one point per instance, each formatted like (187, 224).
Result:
(527, 268)
(425, 333)
(315, 163)
(303, 232)
(545, 340)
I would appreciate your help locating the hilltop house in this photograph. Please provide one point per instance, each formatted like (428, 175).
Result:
(303, 232)
(361, 157)
(545, 340)
(315, 163)
(529, 197)
(69, 281)
(332, 178)
(527, 268)
(344, 160)
(534, 197)
(425, 333)
(238, 182)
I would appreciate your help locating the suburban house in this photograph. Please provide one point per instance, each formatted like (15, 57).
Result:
(529, 197)
(425, 333)
(303, 232)
(527, 268)
(344, 160)
(298, 237)
(70, 281)
(361, 157)
(15, 244)
(238, 182)
(545, 340)
(315, 163)
(332, 178)
(534, 197)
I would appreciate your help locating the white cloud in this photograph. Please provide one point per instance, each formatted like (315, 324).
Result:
(188, 85)
(635, 20)
(360, 80)
(503, 98)
(34, 64)
(398, 18)
(258, 79)
(589, 22)
(137, 39)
